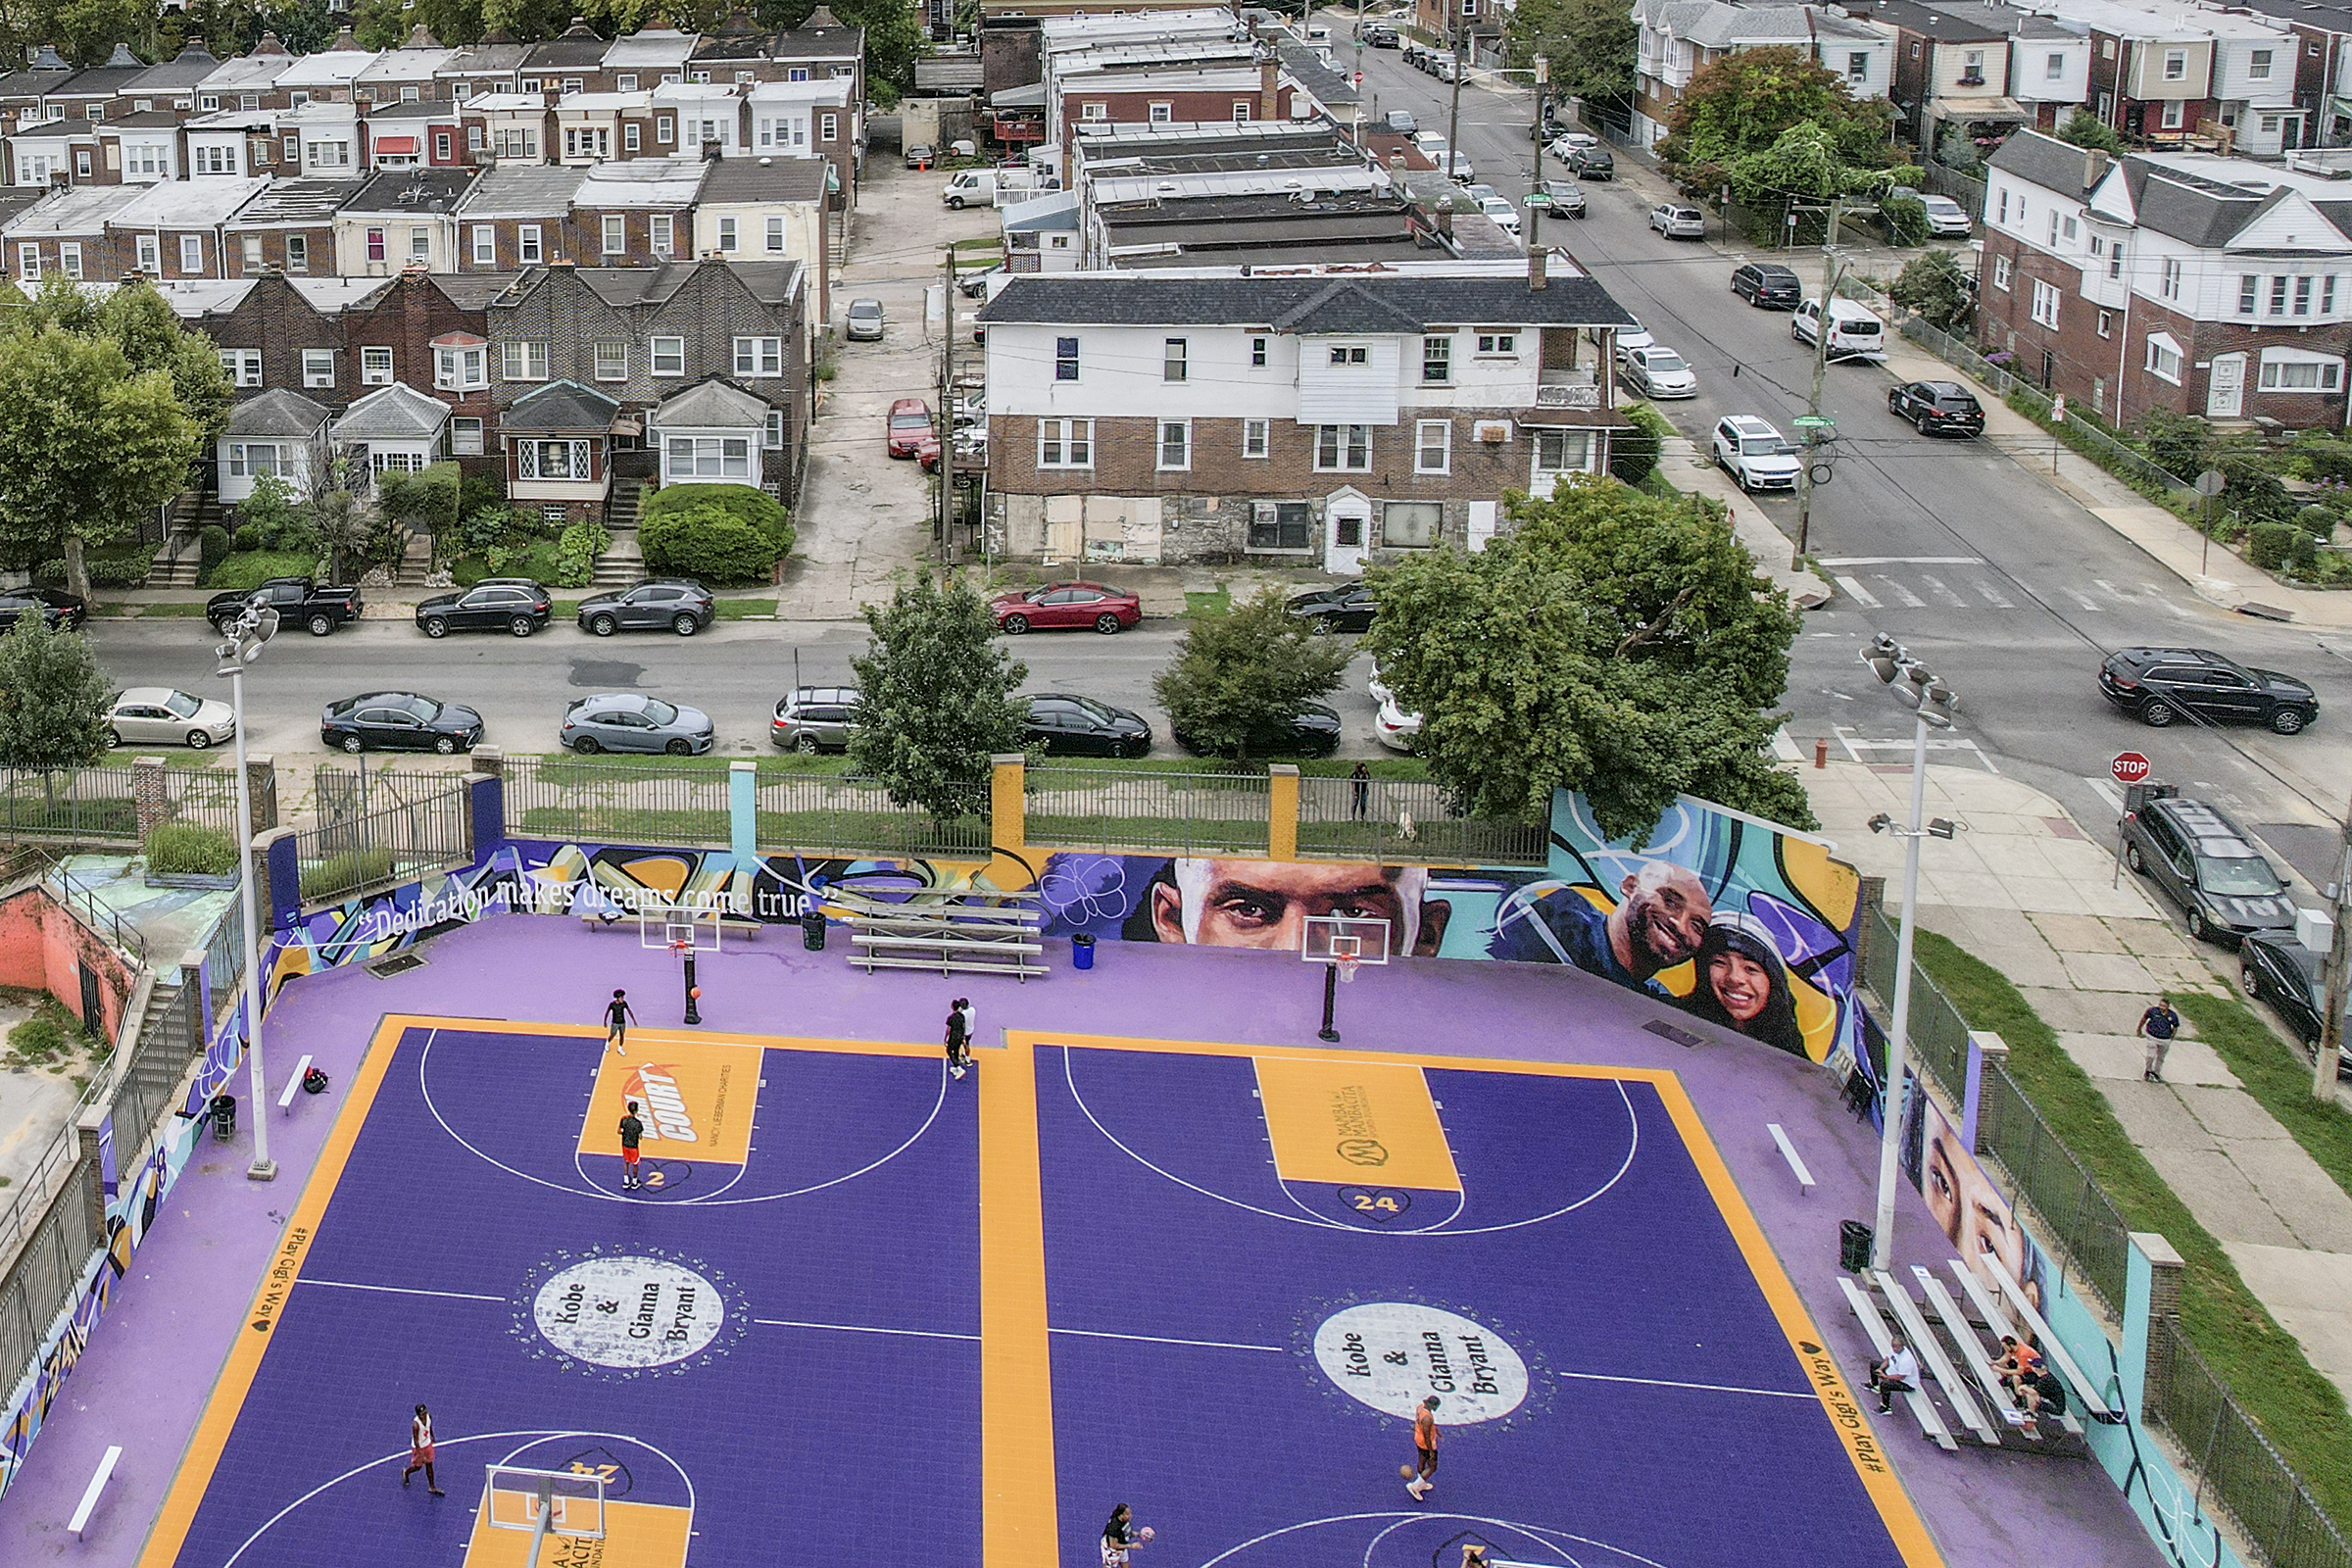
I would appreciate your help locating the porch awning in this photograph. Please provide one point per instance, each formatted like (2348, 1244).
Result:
(396, 144)
(1982, 109)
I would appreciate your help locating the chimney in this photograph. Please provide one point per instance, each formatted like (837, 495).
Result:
(1269, 91)
(2094, 167)
(1535, 269)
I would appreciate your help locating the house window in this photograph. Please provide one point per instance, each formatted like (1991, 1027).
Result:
(2106, 324)
(2303, 294)
(1437, 359)
(772, 437)
(2045, 303)
(1280, 525)
(485, 245)
(376, 244)
(1343, 448)
(375, 367)
(1256, 437)
(1162, 113)
(1972, 68)
(1356, 355)
(2000, 271)
(616, 234)
(1066, 443)
(461, 370)
(775, 236)
(1094, 110)
(317, 367)
(2115, 259)
(2279, 295)
(1497, 342)
(208, 101)
(2258, 65)
(1241, 110)
(706, 456)
(2292, 371)
(150, 256)
(2053, 68)
(668, 356)
(255, 459)
(1410, 524)
(466, 437)
(612, 362)
(1065, 359)
(2173, 112)
(1171, 359)
(2327, 295)
(759, 356)
(2002, 208)
(2249, 293)
(1857, 66)
(663, 132)
(2175, 65)
(1433, 446)
(297, 252)
(244, 365)
(441, 153)
(28, 263)
(69, 258)
(1175, 443)
(726, 235)
(631, 138)
(553, 459)
(527, 243)
(524, 361)
(420, 244)
(1257, 354)
(1558, 452)
(2164, 358)
(664, 244)
(2169, 287)
(473, 136)
(395, 462)
(828, 126)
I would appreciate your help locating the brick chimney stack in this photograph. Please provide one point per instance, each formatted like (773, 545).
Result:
(1269, 90)
(1535, 269)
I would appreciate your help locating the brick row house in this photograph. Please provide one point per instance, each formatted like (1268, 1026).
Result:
(1305, 414)
(2184, 282)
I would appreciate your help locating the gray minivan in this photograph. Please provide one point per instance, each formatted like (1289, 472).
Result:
(816, 718)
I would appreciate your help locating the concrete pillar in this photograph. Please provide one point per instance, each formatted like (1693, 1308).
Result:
(149, 794)
(490, 761)
(89, 1177)
(2151, 1290)
(1282, 812)
(1008, 821)
(742, 813)
(1983, 1046)
(261, 786)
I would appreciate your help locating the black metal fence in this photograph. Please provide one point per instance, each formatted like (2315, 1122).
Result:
(2242, 1471)
(378, 827)
(1407, 820)
(68, 805)
(1208, 812)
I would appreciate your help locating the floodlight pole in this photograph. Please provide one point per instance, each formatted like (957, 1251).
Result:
(1881, 1236)
(262, 1168)
(1331, 992)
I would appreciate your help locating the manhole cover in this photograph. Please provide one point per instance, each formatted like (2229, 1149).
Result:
(604, 674)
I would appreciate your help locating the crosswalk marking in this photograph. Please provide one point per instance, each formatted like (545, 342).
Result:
(1988, 589)
(1937, 588)
(1859, 593)
(2085, 601)
(1904, 596)
(1992, 594)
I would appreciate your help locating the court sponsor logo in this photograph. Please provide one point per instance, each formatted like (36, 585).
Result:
(1363, 1151)
(629, 1313)
(283, 1267)
(654, 1086)
(1393, 1355)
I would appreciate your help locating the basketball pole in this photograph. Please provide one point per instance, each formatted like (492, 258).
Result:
(694, 1015)
(1331, 992)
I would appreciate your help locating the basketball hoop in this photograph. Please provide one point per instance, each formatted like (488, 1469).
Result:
(1346, 967)
(1342, 944)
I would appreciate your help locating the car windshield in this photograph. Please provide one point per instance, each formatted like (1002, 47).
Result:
(182, 705)
(658, 712)
(2236, 876)
(862, 311)
(1093, 710)
(424, 707)
(1663, 360)
(910, 420)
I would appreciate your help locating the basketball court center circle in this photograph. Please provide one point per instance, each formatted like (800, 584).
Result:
(628, 1313)
(1393, 1355)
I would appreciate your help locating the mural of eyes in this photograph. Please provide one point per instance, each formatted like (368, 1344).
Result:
(1084, 889)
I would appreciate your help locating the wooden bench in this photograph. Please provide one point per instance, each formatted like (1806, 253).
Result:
(89, 1495)
(1804, 1177)
(1996, 1322)
(1874, 1326)
(1956, 1393)
(286, 1095)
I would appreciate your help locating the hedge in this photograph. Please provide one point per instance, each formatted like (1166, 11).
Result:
(185, 848)
(723, 534)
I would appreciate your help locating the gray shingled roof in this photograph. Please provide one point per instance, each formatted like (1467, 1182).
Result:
(765, 180)
(185, 70)
(564, 406)
(2044, 161)
(395, 412)
(1364, 303)
(769, 282)
(711, 404)
(276, 412)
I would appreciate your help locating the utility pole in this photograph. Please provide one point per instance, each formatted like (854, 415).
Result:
(1453, 116)
(1820, 366)
(947, 413)
(1534, 214)
(2326, 1054)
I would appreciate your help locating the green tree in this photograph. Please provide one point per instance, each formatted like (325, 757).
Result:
(2180, 444)
(1588, 42)
(1612, 643)
(935, 696)
(142, 323)
(92, 446)
(1245, 674)
(1806, 163)
(350, 530)
(1934, 286)
(53, 699)
(1742, 104)
(2085, 129)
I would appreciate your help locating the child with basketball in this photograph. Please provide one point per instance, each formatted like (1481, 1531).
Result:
(1120, 1535)
(631, 1131)
(421, 1451)
(1420, 1478)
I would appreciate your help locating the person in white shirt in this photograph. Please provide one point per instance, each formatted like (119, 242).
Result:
(1897, 1373)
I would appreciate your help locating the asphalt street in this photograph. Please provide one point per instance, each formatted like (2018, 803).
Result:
(2009, 589)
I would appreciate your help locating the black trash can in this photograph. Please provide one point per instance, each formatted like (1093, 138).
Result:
(224, 1110)
(812, 927)
(1082, 950)
(1853, 1245)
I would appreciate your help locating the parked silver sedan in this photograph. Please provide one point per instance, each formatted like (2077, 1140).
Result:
(632, 721)
(1660, 373)
(1678, 222)
(156, 715)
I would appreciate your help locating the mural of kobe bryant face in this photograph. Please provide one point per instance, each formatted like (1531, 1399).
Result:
(1265, 904)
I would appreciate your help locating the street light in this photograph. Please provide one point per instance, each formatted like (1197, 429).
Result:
(1933, 704)
(241, 645)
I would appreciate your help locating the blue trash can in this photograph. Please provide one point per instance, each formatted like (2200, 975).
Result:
(1082, 950)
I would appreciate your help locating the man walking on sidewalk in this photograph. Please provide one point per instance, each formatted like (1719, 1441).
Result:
(2159, 1025)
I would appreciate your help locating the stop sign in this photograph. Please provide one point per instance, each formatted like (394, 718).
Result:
(2129, 767)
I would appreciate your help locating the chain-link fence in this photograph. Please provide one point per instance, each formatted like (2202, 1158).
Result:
(616, 801)
(1112, 810)
(1407, 821)
(379, 827)
(2241, 1469)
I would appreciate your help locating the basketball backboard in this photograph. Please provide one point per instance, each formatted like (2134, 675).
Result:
(679, 927)
(554, 1502)
(1344, 940)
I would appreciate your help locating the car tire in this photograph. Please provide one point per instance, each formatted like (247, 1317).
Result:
(585, 746)
(602, 625)
(2156, 712)
(320, 625)
(2132, 859)
(445, 745)
(1108, 625)
(198, 740)
(807, 745)
(1014, 626)
(2288, 720)
(352, 744)
(434, 626)
(1921, 425)
(2198, 928)
(114, 737)
(523, 625)
(2250, 982)
(226, 626)
(685, 625)
(680, 747)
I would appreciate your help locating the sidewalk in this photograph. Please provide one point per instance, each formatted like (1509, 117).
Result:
(2028, 891)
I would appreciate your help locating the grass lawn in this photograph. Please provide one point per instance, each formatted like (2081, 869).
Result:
(757, 608)
(2277, 1077)
(1203, 606)
(1403, 769)
(2299, 1410)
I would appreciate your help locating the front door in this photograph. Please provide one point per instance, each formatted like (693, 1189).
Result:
(2225, 387)
(1348, 520)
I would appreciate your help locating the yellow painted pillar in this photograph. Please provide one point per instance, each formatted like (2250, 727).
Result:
(1008, 810)
(1281, 812)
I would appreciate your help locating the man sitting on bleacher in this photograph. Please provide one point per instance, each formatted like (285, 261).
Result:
(2019, 1363)
(2045, 1389)
(1898, 1374)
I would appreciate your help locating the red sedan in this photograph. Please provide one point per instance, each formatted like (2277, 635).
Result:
(1065, 604)
(909, 426)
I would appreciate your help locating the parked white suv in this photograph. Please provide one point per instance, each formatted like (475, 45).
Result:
(1754, 454)
(1854, 333)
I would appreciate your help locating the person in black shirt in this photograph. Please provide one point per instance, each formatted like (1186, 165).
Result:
(618, 1018)
(631, 1130)
(1120, 1535)
(959, 1037)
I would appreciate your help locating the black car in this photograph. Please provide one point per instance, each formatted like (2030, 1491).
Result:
(1348, 607)
(514, 604)
(2158, 685)
(659, 604)
(2205, 864)
(1067, 725)
(18, 603)
(317, 606)
(1593, 163)
(1937, 407)
(1768, 286)
(400, 721)
(2283, 972)
(1313, 731)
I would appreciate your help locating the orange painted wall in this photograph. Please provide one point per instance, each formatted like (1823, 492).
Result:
(42, 947)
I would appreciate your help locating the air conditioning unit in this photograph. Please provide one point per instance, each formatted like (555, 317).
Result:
(1494, 432)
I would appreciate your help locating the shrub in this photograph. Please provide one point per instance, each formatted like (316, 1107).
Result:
(576, 551)
(1905, 219)
(2317, 520)
(184, 849)
(2176, 443)
(2087, 129)
(247, 569)
(39, 1039)
(118, 565)
(341, 875)
(486, 527)
(213, 546)
(1934, 286)
(721, 534)
(1634, 457)
(2279, 546)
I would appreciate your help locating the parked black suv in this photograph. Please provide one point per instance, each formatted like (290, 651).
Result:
(2158, 685)
(514, 604)
(2283, 972)
(1768, 286)
(1937, 408)
(2203, 864)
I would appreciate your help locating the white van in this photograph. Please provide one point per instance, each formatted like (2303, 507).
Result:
(984, 187)
(1854, 333)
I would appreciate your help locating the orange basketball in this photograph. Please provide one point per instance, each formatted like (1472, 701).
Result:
(696, 992)
(1405, 1471)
